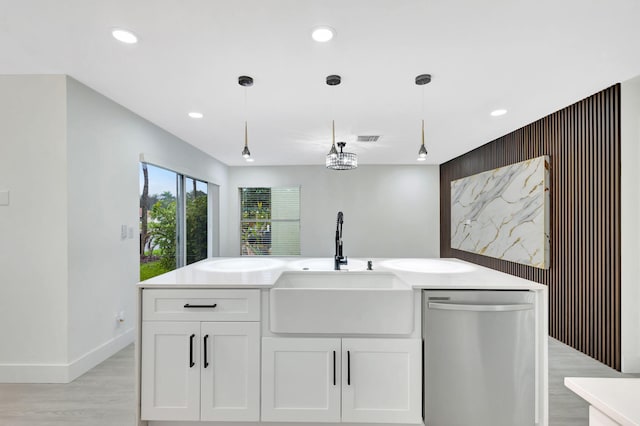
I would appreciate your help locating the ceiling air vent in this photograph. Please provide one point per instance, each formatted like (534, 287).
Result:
(368, 138)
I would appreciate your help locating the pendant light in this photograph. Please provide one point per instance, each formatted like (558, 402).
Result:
(422, 152)
(339, 160)
(421, 80)
(246, 154)
(246, 81)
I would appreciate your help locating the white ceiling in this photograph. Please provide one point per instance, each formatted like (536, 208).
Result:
(530, 57)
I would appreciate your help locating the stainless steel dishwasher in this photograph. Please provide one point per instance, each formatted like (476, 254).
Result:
(479, 358)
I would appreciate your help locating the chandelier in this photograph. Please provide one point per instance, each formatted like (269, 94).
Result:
(339, 160)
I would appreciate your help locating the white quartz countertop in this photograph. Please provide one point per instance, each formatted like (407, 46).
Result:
(261, 272)
(618, 398)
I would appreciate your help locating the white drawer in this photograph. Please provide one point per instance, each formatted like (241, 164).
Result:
(200, 305)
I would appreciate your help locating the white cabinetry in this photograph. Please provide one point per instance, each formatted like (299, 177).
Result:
(300, 379)
(230, 381)
(348, 380)
(200, 370)
(381, 380)
(170, 383)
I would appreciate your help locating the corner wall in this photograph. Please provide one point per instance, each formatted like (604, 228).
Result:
(70, 159)
(105, 143)
(33, 228)
(630, 137)
(389, 211)
(583, 142)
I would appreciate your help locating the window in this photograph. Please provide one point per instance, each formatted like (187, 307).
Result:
(269, 221)
(174, 220)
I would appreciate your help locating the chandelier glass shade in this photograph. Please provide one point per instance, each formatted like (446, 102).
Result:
(340, 160)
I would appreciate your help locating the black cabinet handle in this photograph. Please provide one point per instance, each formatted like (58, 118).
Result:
(348, 368)
(187, 305)
(191, 363)
(334, 368)
(206, 364)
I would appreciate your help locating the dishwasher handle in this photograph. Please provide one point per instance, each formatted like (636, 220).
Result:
(480, 308)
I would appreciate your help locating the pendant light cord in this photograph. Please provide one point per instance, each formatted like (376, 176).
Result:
(423, 115)
(246, 117)
(246, 137)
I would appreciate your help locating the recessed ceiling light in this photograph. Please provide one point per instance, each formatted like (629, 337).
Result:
(498, 112)
(124, 36)
(322, 34)
(196, 114)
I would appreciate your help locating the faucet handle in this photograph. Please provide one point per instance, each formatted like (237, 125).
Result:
(369, 265)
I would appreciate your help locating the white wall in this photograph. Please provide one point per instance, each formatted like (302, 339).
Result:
(105, 142)
(70, 159)
(389, 211)
(33, 231)
(630, 229)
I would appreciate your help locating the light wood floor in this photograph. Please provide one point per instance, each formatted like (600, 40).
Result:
(565, 407)
(105, 395)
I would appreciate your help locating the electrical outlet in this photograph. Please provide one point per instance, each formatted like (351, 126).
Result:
(130, 234)
(123, 232)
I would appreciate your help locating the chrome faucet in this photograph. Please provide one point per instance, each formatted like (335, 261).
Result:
(338, 258)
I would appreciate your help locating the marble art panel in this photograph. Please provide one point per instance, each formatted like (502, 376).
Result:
(504, 213)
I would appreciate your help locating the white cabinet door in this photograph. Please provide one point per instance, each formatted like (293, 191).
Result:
(170, 371)
(382, 380)
(301, 379)
(230, 371)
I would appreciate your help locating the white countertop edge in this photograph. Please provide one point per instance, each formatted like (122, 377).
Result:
(594, 391)
(434, 286)
(205, 286)
(480, 278)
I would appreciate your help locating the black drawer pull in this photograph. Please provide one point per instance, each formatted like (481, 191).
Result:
(191, 363)
(348, 368)
(334, 368)
(206, 364)
(187, 305)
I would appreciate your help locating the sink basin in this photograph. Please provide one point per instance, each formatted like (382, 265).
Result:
(327, 264)
(341, 302)
(248, 264)
(433, 266)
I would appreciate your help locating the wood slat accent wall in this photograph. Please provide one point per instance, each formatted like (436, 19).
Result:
(583, 143)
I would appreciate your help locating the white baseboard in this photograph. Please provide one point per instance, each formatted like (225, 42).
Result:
(65, 373)
(34, 373)
(86, 362)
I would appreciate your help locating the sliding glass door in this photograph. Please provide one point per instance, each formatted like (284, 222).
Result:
(174, 220)
(197, 219)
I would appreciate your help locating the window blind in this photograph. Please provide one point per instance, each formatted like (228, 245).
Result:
(270, 221)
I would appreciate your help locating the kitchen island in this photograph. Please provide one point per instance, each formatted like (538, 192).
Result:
(291, 340)
(612, 401)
